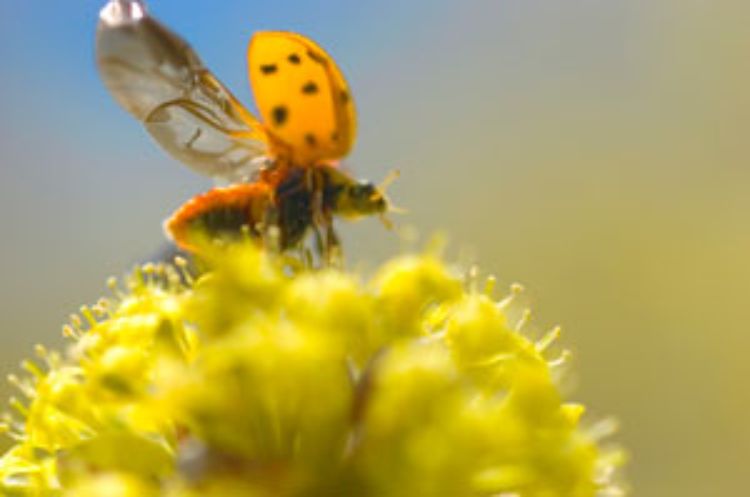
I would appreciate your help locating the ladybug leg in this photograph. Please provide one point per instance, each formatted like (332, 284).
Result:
(333, 253)
(270, 229)
(320, 245)
(313, 183)
(327, 242)
(315, 186)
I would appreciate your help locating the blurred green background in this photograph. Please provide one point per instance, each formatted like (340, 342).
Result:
(594, 150)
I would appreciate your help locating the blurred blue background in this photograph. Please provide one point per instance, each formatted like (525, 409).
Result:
(595, 151)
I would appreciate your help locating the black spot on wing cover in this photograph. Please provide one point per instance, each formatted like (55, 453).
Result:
(279, 114)
(310, 88)
(269, 68)
(315, 57)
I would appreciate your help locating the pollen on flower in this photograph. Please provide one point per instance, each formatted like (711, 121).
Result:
(258, 376)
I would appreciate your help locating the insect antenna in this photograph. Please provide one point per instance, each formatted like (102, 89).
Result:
(392, 176)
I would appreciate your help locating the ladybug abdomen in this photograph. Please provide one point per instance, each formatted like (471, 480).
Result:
(221, 213)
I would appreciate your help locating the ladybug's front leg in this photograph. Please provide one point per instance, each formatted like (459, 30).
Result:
(333, 251)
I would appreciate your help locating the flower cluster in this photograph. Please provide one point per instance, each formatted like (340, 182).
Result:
(260, 377)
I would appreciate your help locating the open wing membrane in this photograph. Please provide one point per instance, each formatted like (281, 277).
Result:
(157, 77)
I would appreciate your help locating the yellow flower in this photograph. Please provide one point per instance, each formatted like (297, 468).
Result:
(260, 377)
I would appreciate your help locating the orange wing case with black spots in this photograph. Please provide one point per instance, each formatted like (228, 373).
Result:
(303, 99)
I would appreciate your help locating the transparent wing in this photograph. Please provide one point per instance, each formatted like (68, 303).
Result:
(155, 75)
